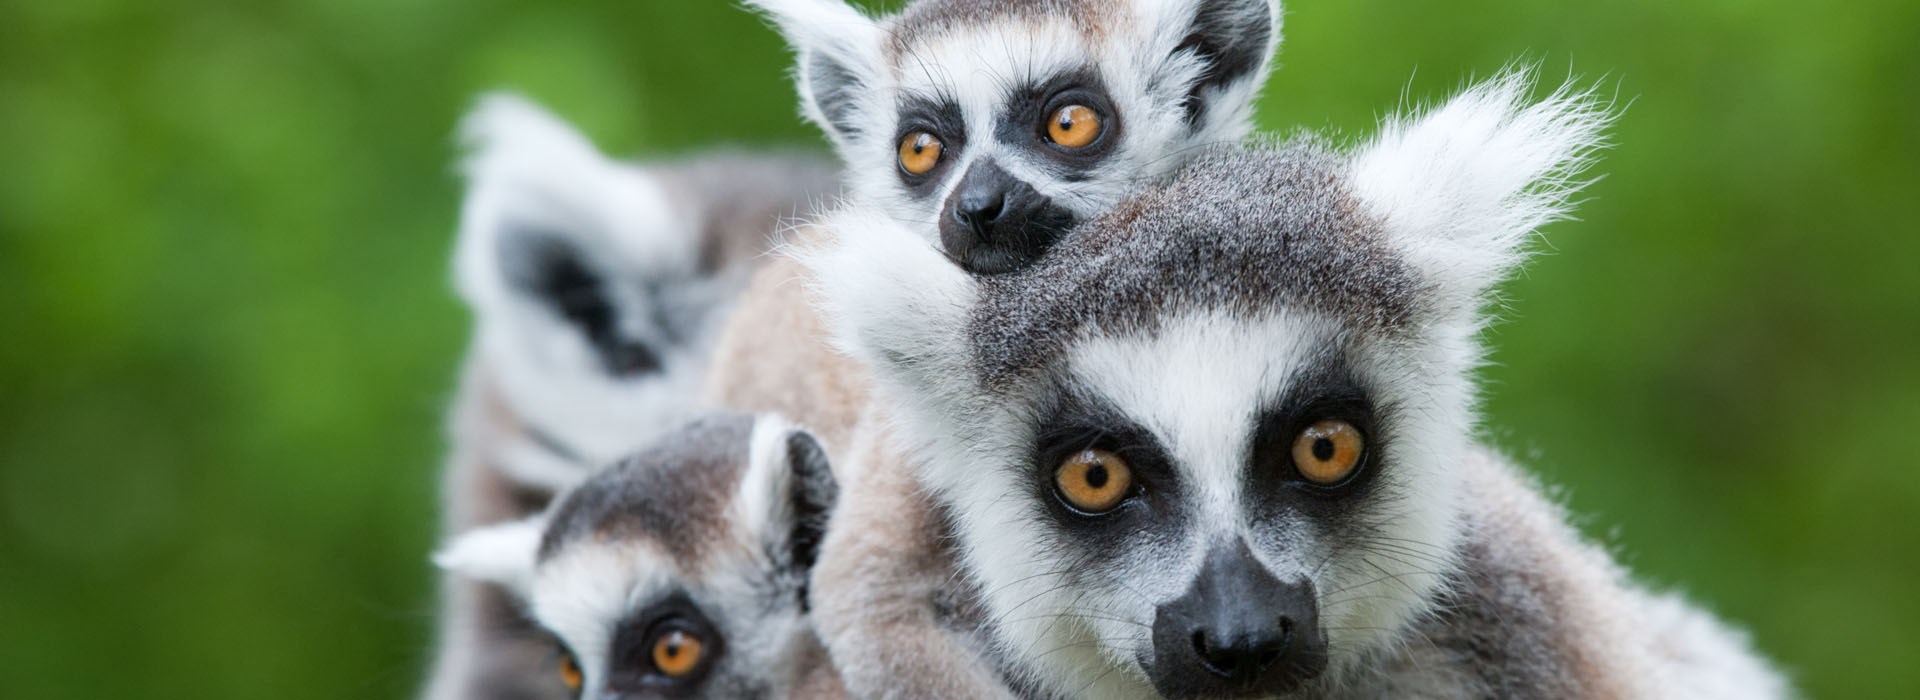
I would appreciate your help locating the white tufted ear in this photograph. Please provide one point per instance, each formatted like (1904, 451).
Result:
(787, 493)
(1462, 187)
(837, 60)
(503, 554)
(573, 264)
(551, 232)
(1214, 52)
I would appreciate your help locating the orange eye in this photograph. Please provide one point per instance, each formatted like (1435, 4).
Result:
(1074, 126)
(919, 152)
(676, 653)
(1093, 481)
(1327, 451)
(570, 672)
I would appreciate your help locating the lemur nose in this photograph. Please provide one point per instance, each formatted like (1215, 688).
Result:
(978, 210)
(1237, 630)
(1243, 655)
(997, 223)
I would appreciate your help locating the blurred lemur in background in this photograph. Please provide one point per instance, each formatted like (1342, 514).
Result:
(1217, 443)
(597, 287)
(678, 572)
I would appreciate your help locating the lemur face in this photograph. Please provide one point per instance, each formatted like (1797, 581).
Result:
(992, 127)
(680, 572)
(1202, 448)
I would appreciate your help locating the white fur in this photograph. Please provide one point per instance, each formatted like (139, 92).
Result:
(824, 28)
(1461, 187)
(529, 169)
(502, 554)
(763, 501)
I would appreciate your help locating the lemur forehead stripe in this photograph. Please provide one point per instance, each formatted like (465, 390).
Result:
(1279, 230)
(924, 19)
(675, 493)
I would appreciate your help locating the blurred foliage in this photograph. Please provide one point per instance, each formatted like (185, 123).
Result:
(226, 333)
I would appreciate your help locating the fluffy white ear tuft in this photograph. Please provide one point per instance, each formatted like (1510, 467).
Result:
(891, 299)
(838, 60)
(1217, 52)
(788, 491)
(502, 554)
(527, 170)
(1461, 187)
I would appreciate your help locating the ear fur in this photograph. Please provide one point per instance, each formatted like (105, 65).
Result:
(503, 554)
(1462, 187)
(789, 493)
(549, 223)
(1219, 50)
(837, 57)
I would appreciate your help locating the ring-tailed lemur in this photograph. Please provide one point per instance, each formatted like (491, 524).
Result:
(596, 287)
(991, 126)
(681, 571)
(1218, 442)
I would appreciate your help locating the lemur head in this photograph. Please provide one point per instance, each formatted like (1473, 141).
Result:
(991, 126)
(679, 572)
(1204, 446)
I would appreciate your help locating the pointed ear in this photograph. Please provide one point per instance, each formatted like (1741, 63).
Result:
(893, 301)
(503, 554)
(1217, 52)
(789, 492)
(837, 60)
(549, 230)
(1461, 188)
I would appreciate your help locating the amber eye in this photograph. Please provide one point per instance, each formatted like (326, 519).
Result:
(676, 653)
(1327, 451)
(570, 672)
(1074, 126)
(919, 152)
(1093, 481)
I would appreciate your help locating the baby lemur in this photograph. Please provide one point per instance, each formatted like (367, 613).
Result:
(1217, 442)
(681, 571)
(596, 286)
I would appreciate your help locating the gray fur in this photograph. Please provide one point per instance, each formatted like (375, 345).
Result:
(930, 18)
(1281, 227)
(674, 492)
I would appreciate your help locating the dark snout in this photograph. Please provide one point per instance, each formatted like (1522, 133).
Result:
(1238, 631)
(996, 223)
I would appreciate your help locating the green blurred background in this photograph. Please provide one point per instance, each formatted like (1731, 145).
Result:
(226, 331)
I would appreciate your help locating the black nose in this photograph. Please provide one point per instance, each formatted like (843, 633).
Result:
(996, 223)
(1237, 630)
(1245, 653)
(979, 210)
